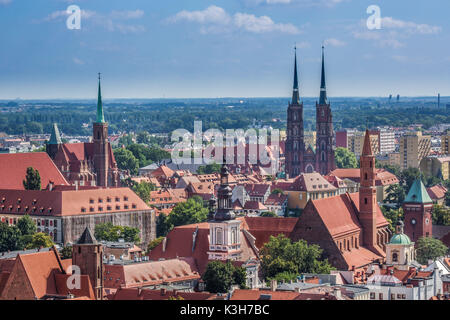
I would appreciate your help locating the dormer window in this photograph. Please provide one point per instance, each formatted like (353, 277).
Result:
(125, 198)
(91, 200)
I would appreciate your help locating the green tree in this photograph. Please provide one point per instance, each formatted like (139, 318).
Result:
(66, 252)
(32, 180)
(130, 234)
(109, 232)
(392, 216)
(126, 140)
(395, 193)
(429, 249)
(345, 158)
(40, 240)
(187, 212)
(281, 256)
(143, 190)
(162, 226)
(441, 215)
(220, 276)
(209, 168)
(26, 225)
(143, 137)
(154, 243)
(126, 160)
(268, 214)
(9, 238)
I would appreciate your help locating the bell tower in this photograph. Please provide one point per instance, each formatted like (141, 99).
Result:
(87, 254)
(224, 228)
(295, 145)
(368, 196)
(101, 144)
(325, 161)
(417, 208)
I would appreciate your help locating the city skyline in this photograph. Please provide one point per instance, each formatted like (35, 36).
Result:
(205, 49)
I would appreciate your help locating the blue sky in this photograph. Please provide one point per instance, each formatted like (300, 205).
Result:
(224, 48)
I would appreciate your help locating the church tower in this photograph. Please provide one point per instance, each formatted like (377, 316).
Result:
(224, 228)
(101, 144)
(368, 196)
(55, 142)
(295, 145)
(417, 208)
(87, 254)
(325, 162)
(400, 250)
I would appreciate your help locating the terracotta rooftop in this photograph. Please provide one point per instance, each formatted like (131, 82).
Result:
(13, 167)
(146, 294)
(437, 192)
(70, 202)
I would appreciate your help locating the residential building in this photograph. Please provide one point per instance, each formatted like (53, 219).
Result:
(413, 148)
(436, 166)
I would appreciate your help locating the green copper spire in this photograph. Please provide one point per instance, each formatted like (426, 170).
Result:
(418, 193)
(295, 94)
(100, 116)
(55, 137)
(323, 88)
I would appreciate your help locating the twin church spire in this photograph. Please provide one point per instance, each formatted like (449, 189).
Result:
(323, 88)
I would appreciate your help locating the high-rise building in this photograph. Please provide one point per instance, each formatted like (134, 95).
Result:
(299, 156)
(445, 143)
(413, 148)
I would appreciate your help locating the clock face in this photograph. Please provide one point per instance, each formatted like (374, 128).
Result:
(413, 221)
(427, 220)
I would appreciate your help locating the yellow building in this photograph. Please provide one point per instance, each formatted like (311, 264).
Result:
(413, 148)
(436, 167)
(355, 143)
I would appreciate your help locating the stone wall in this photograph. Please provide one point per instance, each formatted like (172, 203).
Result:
(145, 221)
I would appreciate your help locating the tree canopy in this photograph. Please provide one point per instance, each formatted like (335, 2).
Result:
(283, 260)
(429, 249)
(221, 276)
(345, 158)
(109, 232)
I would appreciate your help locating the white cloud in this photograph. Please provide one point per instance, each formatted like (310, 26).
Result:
(5, 2)
(215, 19)
(261, 24)
(212, 14)
(411, 27)
(334, 42)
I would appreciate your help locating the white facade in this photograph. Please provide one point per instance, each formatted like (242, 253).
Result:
(224, 240)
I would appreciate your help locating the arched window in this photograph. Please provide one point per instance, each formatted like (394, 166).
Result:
(219, 236)
(98, 135)
(234, 236)
(365, 176)
(323, 156)
(365, 200)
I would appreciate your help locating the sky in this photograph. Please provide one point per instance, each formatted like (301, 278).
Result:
(223, 48)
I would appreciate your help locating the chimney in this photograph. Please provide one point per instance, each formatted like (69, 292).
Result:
(76, 185)
(50, 185)
(164, 244)
(273, 285)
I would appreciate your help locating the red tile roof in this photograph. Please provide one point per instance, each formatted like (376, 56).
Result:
(70, 202)
(146, 294)
(437, 192)
(255, 294)
(150, 273)
(13, 169)
(383, 177)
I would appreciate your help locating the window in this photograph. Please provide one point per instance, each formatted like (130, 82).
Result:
(219, 236)
(372, 296)
(395, 257)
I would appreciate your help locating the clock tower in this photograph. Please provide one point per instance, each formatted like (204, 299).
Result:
(417, 208)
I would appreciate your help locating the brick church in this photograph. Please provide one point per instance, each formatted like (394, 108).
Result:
(86, 164)
(299, 157)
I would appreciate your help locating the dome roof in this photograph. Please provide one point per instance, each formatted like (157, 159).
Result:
(400, 238)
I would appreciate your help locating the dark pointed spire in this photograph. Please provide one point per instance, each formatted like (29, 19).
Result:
(55, 137)
(100, 115)
(323, 87)
(87, 237)
(367, 148)
(295, 94)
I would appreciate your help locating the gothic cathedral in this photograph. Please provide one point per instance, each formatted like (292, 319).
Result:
(299, 157)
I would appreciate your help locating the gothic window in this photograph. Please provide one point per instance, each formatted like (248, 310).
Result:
(365, 200)
(365, 176)
(219, 236)
(295, 157)
(295, 145)
(98, 135)
(323, 156)
(295, 115)
(295, 131)
(322, 145)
